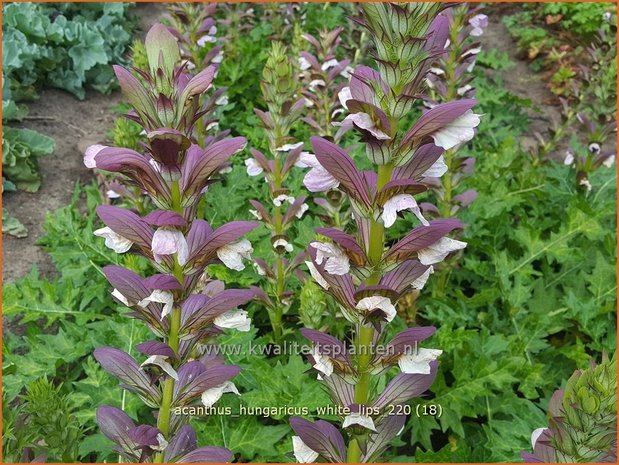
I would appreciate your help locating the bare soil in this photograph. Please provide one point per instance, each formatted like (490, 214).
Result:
(74, 125)
(520, 79)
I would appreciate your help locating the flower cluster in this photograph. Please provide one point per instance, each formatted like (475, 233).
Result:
(280, 93)
(585, 160)
(324, 77)
(364, 272)
(583, 419)
(450, 78)
(180, 305)
(195, 28)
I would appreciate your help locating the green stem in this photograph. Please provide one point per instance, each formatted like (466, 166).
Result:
(163, 421)
(365, 335)
(175, 191)
(167, 395)
(447, 180)
(276, 314)
(353, 454)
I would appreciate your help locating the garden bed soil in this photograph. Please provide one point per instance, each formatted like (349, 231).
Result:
(74, 125)
(521, 80)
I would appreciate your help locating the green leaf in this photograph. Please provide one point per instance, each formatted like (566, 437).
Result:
(12, 226)
(247, 436)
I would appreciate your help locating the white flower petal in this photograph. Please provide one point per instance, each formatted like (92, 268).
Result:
(569, 158)
(316, 275)
(283, 243)
(112, 194)
(161, 362)
(89, 155)
(304, 64)
(116, 293)
(358, 419)
(438, 169)
(280, 199)
(205, 39)
(329, 64)
(210, 396)
(302, 209)
(458, 131)
(585, 182)
(319, 180)
(113, 241)
(302, 452)
(313, 85)
(479, 22)
(535, 436)
(477, 31)
(345, 73)
(397, 204)
(218, 58)
(420, 282)
(364, 121)
(232, 255)
(190, 64)
(234, 319)
(322, 363)
(168, 241)
(300, 163)
(261, 271)
(344, 95)
(418, 361)
(473, 51)
(609, 162)
(162, 443)
(256, 214)
(289, 147)
(439, 250)
(336, 261)
(160, 296)
(464, 89)
(376, 301)
(253, 167)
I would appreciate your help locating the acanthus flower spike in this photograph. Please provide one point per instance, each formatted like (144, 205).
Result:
(281, 94)
(174, 172)
(365, 274)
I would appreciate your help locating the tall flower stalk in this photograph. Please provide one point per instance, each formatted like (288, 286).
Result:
(281, 94)
(582, 419)
(366, 272)
(587, 159)
(450, 78)
(324, 77)
(182, 307)
(195, 28)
